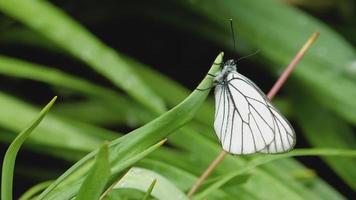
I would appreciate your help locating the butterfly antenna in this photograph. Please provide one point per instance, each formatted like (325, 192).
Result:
(252, 54)
(233, 34)
(234, 41)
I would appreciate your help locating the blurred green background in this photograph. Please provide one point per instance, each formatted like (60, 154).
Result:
(116, 65)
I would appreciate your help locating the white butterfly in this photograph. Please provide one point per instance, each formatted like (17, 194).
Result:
(245, 120)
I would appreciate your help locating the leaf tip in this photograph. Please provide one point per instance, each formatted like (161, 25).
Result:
(162, 141)
(221, 54)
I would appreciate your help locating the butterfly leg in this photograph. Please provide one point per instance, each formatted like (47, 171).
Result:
(212, 75)
(208, 87)
(204, 88)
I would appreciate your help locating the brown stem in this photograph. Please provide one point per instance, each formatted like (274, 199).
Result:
(276, 87)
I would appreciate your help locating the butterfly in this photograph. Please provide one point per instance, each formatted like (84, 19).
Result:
(245, 120)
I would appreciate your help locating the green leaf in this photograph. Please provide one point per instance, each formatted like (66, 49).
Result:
(202, 151)
(30, 193)
(56, 132)
(141, 179)
(67, 187)
(119, 104)
(124, 194)
(94, 183)
(170, 91)
(56, 26)
(264, 159)
(11, 153)
(123, 149)
(149, 190)
(325, 130)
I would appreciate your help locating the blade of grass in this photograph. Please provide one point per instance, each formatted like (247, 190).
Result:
(202, 151)
(69, 187)
(30, 193)
(288, 170)
(149, 190)
(126, 147)
(181, 178)
(264, 159)
(97, 177)
(101, 113)
(141, 179)
(336, 134)
(22, 69)
(55, 132)
(11, 153)
(55, 25)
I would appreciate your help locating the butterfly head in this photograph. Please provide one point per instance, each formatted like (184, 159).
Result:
(227, 67)
(229, 63)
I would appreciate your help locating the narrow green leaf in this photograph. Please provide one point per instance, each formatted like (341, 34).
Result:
(94, 183)
(335, 134)
(119, 104)
(56, 132)
(202, 151)
(149, 190)
(169, 90)
(58, 27)
(69, 188)
(124, 194)
(141, 179)
(264, 159)
(11, 153)
(124, 148)
(34, 190)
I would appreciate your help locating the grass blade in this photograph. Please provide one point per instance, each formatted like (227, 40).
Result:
(149, 190)
(69, 188)
(97, 177)
(335, 134)
(30, 193)
(142, 179)
(11, 153)
(26, 70)
(261, 160)
(75, 39)
(56, 132)
(124, 148)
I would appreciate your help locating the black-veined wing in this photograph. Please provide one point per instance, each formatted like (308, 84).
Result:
(245, 121)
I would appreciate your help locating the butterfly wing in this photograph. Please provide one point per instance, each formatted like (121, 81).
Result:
(246, 122)
(284, 139)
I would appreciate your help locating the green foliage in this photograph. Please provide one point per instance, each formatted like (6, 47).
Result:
(95, 181)
(149, 190)
(319, 98)
(34, 190)
(132, 147)
(11, 153)
(151, 183)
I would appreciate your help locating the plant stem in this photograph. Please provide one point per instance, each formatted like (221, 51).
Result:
(276, 87)
(279, 83)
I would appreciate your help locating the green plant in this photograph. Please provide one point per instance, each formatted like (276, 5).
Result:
(76, 129)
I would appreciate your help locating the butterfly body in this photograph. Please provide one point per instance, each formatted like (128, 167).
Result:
(245, 120)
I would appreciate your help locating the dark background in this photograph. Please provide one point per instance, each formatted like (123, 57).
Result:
(180, 55)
